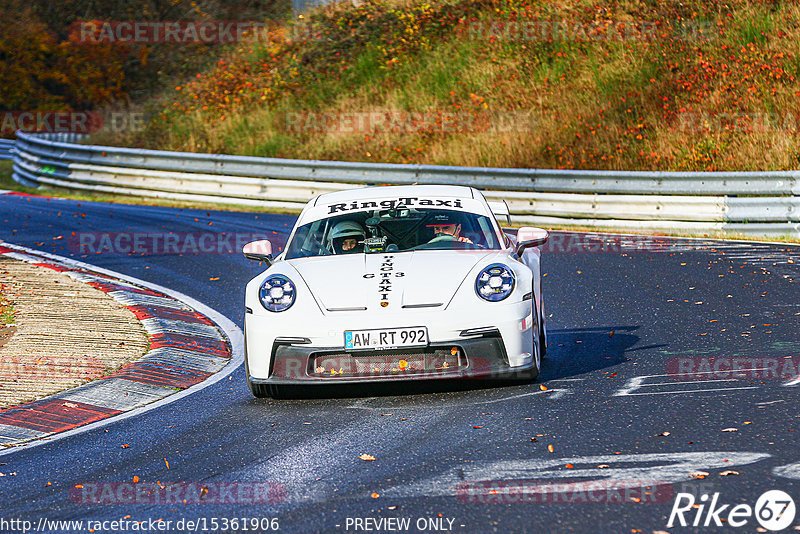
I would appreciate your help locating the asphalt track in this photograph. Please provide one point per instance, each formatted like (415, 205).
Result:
(629, 328)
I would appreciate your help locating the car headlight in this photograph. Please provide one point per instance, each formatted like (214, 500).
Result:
(495, 283)
(277, 293)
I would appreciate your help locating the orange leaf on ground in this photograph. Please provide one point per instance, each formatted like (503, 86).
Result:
(367, 457)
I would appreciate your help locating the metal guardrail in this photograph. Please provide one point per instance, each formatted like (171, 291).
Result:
(758, 203)
(6, 146)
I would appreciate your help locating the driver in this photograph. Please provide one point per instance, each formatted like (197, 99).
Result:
(447, 227)
(346, 237)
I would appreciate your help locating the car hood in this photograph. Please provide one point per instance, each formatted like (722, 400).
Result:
(408, 280)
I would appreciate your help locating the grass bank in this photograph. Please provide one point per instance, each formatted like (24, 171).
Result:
(624, 85)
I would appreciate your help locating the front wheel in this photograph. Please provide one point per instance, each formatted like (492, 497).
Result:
(529, 375)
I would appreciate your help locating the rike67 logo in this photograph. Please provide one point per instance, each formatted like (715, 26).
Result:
(774, 510)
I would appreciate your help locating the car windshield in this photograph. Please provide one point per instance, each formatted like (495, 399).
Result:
(395, 230)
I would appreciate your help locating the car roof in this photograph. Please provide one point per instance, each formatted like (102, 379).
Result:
(375, 192)
(362, 198)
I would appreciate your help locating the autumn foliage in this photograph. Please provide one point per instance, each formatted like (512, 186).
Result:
(696, 85)
(48, 65)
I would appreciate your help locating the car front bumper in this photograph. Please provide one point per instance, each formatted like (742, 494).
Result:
(296, 362)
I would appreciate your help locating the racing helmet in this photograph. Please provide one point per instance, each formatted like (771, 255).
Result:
(342, 231)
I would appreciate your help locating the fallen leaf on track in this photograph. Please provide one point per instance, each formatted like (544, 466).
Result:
(375, 495)
(730, 429)
(550, 448)
(367, 457)
(698, 474)
(726, 473)
(663, 434)
(542, 387)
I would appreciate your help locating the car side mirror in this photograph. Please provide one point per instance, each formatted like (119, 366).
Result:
(259, 251)
(528, 237)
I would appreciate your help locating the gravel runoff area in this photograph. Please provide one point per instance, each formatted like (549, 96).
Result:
(65, 333)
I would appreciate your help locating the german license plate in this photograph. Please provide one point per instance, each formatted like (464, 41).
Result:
(388, 338)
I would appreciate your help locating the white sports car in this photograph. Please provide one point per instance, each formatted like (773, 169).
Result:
(395, 283)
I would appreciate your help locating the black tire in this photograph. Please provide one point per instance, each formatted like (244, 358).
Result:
(542, 343)
(542, 333)
(531, 374)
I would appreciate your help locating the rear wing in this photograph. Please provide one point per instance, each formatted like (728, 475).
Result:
(500, 209)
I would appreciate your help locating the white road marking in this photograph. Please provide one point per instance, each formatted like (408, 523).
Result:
(187, 359)
(638, 382)
(157, 325)
(130, 298)
(788, 471)
(117, 394)
(793, 382)
(686, 391)
(235, 336)
(770, 402)
(10, 433)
